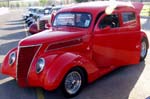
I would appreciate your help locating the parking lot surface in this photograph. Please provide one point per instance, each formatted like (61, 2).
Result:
(131, 82)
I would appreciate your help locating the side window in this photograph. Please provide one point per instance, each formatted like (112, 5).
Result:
(109, 20)
(128, 16)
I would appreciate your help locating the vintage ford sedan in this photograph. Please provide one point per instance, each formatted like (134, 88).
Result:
(87, 41)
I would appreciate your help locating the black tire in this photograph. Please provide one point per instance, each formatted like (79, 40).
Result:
(65, 92)
(142, 56)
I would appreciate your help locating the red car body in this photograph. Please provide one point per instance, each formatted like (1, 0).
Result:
(94, 50)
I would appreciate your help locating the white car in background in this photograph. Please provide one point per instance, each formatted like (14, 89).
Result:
(44, 22)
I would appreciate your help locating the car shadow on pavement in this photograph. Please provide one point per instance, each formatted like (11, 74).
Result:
(13, 28)
(13, 36)
(17, 23)
(12, 21)
(11, 90)
(116, 85)
(4, 48)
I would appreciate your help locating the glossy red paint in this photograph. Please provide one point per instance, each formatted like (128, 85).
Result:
(9, 69)
(95, 50)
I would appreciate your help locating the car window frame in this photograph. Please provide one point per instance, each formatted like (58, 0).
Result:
(74, 26)
(129, 20)
(115, 13)
(96, 28)
(130, 24)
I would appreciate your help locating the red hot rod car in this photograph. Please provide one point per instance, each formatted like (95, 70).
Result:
(87, 41)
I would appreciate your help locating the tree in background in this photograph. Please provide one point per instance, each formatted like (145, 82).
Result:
(43, 2)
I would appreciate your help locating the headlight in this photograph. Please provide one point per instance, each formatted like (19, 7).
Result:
(12, 58)
(40, 65)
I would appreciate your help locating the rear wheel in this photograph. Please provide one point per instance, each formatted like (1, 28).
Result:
(73, 82)
(144, 47)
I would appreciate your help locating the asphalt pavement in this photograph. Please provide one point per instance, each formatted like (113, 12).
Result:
(130, 82)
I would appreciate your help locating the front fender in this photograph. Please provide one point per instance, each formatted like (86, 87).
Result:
(56, 67)
(62, 64)
(6, 68)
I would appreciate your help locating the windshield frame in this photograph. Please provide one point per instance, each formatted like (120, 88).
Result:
(71, 25)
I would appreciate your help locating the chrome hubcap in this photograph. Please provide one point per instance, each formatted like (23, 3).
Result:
(73, 82)
(143, 49)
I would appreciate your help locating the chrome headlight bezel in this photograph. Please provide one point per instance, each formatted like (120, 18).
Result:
(40, 65)
(12, 58)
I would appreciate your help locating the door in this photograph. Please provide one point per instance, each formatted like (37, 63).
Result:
(113, 43)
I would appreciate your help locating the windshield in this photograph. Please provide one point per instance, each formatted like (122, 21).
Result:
(82, 20)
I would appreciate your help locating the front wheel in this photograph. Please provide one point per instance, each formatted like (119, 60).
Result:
(144, 47)
(73, 82)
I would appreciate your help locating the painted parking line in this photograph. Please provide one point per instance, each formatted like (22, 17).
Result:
(6, 80)
(40, 94)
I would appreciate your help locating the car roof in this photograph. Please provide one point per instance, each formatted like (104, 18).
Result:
(96, 6)
(104, 3)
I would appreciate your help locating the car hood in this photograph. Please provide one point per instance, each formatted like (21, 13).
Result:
(49, 36)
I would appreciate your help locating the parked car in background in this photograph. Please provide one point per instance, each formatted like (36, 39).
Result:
(35, 13)
(47, 10)
(44, 22)
(87, 41)
(39, 13)
(28, 13)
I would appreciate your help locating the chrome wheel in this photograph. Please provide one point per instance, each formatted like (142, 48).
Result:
(73, 82)
(143, 49)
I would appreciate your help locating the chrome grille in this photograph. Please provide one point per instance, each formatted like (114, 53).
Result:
(42, 25)
(25, 57)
